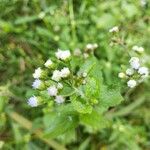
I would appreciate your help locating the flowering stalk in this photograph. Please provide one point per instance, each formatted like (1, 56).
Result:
(52, 80)
(135, 72)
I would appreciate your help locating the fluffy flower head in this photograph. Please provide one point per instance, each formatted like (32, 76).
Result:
(56, 75)
(129, 71)
(48, 63)
(36, 84)
(33, 101)
(65, 72)
(84, 74)
(89, 46)
(59, 99)
(121, 75)
(114, 29)
(63, 55)
(37, 73)
(134, 62)
(131, 83)
(143, 71)
(52, 90)
(138, 49)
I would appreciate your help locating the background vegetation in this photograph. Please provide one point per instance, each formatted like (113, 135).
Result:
(30, 32)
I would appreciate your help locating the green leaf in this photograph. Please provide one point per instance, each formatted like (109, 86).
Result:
(85, 144)
(17, 133)
(110, 96)
(129, 9)
(93, 121)
(3, 100)
(81, 107)
(26, 19)
(67, 90)
(68, 137)
(60, 121)
(92, 88)
(95, 79)
(61, 124)
(106, 21)
(88, 65)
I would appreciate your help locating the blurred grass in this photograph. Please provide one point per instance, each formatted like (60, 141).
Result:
(30, 31)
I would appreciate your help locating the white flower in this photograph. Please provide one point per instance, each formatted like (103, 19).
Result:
(131, 83)
(134, 62)
(129, 71)
(85, 55)
(52, 90)
(41, 15)
(48, 63)
(65, 72)
(33, 101)
(77, 52)
(143, 71)
(84, 74)
(37, 73)
(59, 86)
(95, 45)
(141, 49)
(135, 65)
(133, 59)
(135, 48)
(59, 99)
(63, 55)
(89, 46)
(143, 2)
(56, 75)
(121, 75)
(138, 49)
(36, 84)
(84, 82)
(114, 29)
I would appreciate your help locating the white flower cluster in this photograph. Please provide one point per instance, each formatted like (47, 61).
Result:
(143, 3)
(53, 91)
(90, 46)
(57, 75)
(63, 55)
(89, 49)
(51, 79)
(136, 73)
(138, 49)
(114, 29)
(37, 75)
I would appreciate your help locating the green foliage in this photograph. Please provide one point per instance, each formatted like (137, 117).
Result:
(60, 121)
(94, 121)
(110, 96)
(81, 106)
(96, 117)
